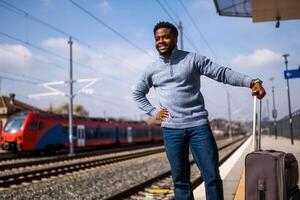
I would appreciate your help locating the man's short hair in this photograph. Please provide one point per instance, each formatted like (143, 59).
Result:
(166, 25)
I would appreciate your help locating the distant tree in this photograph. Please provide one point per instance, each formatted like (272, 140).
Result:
(81, 111)
(61, 109)
(64, 109)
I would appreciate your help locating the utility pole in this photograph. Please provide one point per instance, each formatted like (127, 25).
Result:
(267, 114)
(289, 99)
(229, 116)
(180, 28)
(53, 91)
(274, 111)
(268, 109)
(71, 149)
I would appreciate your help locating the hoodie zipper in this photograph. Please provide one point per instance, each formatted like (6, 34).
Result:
(171, 70)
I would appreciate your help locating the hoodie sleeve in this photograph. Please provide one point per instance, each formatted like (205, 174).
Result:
(139, 93)
(220, 73)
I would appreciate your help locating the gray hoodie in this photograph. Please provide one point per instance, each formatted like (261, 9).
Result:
(177, 86)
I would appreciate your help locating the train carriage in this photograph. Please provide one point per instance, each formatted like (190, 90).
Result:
(30, 131)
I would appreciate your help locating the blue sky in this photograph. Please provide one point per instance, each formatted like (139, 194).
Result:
(252, 48)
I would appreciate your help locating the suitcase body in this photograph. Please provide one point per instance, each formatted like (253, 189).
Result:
(269, 174)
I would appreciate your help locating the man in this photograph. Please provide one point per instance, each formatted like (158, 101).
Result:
(175, 77)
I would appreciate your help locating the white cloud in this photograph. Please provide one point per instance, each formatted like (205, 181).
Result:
(104, 6)
(259, 58)
(61, 47)
(15, 56)
(56, 43)
(117, 60)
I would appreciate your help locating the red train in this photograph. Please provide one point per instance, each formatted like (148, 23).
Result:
(31, 131)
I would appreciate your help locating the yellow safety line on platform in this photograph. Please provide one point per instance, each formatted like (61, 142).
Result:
(240, 191)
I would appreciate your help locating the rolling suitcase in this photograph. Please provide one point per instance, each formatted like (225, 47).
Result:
(270, 174)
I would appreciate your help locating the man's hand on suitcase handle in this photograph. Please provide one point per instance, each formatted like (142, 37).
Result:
(258, 90)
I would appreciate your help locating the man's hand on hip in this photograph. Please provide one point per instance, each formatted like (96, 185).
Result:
(162, 115)
(258, 90)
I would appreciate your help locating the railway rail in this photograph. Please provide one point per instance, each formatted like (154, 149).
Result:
(160, 187)
(53, 171)
(65, 165)
(8, 156)
(28, 160)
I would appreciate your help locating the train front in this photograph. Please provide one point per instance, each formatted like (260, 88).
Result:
(12, 133)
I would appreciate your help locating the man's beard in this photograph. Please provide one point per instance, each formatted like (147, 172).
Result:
(167, 52)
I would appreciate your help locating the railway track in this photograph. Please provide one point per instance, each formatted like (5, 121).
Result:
(28, 174)
(8, 156)
(67, 165)
(11, 161)
(160, 187)
(17, 161)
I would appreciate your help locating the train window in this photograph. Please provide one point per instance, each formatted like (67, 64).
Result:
(87, 133)
(93, 133)
(141, 132)
(122, 132)
(107, 132)
(33, 125)
(90, 133)
(98, 133)
(74, 130)
(14, 124)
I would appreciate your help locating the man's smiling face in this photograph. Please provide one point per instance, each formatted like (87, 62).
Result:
(165, 41)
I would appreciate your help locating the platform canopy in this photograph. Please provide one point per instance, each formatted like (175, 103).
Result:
(260, 10)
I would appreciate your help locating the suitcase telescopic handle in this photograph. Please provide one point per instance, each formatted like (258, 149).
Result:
(254, 124)
(256, 140)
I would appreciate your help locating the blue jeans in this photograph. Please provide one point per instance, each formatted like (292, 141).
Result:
(205, 153)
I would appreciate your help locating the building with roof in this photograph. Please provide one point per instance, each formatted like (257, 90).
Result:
(260, 10)
(9, 105)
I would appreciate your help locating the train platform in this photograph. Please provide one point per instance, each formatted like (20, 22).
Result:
(232, 171)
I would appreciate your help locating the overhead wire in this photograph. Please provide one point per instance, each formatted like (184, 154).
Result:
(21, 12)
(32, 82)
(61, 57)
(42, 49)
(198, 29)
(111, 29)
(119, 105)
(39, 81)
(24, 13)
(35, 58)
(33, 45)
(21, 75)
(19, 80)
(171, 9)
(29, 16)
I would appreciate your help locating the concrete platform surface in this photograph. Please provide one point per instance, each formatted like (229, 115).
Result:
(232, 171)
